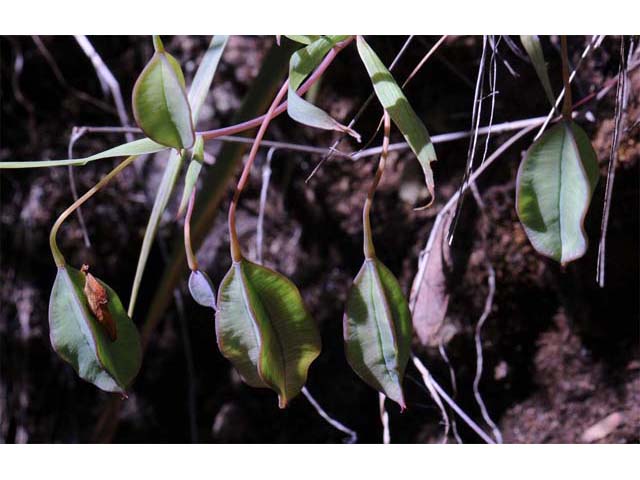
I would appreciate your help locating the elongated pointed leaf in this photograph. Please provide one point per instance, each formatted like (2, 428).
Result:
(197, 95)
(405, 118)
(217, 178)
(160, 104)
(377, 329)
(264, 329)
(204, 76)
(137, 147)
(555, 183)
(302, 64)
(78, 337)
(531, 44)
(202, 289)
(193, 172)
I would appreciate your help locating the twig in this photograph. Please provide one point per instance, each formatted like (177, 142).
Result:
(44, 51)
(491, 281)
(454, 386)
(106, 78)
(428, 379)
(353, 436)
(428, 382)
(622, 95)
(384, 419)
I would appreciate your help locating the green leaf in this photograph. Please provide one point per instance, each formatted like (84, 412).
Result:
(531, 44)
(377, 329)
(554, 186)
(160, 104)
(197, 94)
(304, 39)
(202, 289)
(394, 101)
(137, 147)
(78, 337)
(204, 76)
(264, 329)
(193, 172)
(217, 178)
(302, 64)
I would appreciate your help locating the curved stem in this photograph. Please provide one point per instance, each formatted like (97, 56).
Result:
(249, 124)
(236, 252)
(566, 106)
(55, 251)
(369, 250)
(191, 258)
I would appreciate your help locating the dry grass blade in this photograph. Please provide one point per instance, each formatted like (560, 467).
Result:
(622, 94)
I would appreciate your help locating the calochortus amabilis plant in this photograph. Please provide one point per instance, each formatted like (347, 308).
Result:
(261, 322)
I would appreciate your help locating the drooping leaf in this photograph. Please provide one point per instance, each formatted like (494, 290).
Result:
(432, 293)
(531, 44)
(80, 339)
(160, 104)
(217, 178)
(304, 39)
(193, 172)
(137, 147)
(202, 289)
(302, 64)
(377, 329)
(197, 94)
(264, 329)
(395, 102)
(555, 182)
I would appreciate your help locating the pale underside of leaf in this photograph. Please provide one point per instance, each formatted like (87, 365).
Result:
(301, 65)
(533, 47)
(193, 172)
(264, 330)
(396, 104)
(377, 330)
(201, 289)
(554, 188)
(80, 340)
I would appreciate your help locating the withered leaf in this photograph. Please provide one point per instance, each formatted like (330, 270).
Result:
(98, 303)
(431, 295)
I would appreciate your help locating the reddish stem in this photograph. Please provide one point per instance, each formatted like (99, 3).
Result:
(236, 252)
(249, 124)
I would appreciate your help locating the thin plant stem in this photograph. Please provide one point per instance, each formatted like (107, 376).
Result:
(369, 250)
(236, 252)
(191, 257)
(249, 124)
(55, 251)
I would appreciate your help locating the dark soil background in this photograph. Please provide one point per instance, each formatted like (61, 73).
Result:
(561, 355)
